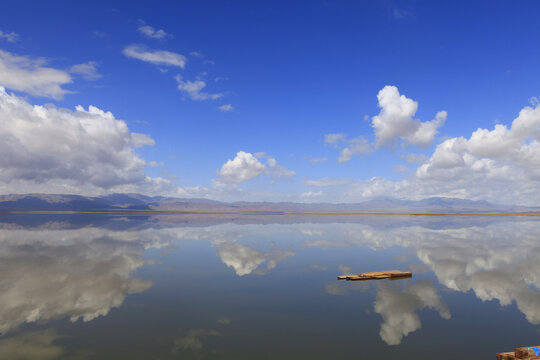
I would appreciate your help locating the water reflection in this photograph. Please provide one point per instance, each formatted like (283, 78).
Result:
(193, 340)
(55, 274)
(500, 261)
(74, 269)
(32, 346)
(399, 307)
(245, 260)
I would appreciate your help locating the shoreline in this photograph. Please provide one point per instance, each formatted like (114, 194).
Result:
(284, 213)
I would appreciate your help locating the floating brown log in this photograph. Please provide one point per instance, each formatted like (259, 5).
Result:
(506, 356)
(405, 276)
(377, 275)
(520, 353)
(525, 352)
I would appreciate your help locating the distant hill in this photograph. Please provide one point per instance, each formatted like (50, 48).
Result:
(137, 202)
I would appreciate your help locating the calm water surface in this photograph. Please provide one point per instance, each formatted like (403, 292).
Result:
(264, 287)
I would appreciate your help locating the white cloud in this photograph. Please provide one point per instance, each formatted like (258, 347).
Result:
(226, 108)
(197, 54)
(399, 168)
(324, 182)
(503, 163)
(318, 160)
(395, 120)
(310, 194)
(355, 146)
(242, 168)
(9, 36)
(276, 170)
(22, 73)
(155, 163)
(414, 158)
(349, 147)
(151, 33)
(42, 144)
(87, 70)
(157, 57)
(246, 166)
(334, 139)
(193, 89)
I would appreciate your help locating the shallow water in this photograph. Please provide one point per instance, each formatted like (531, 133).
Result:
(264, 287)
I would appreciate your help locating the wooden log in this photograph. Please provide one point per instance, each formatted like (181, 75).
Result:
(356, 278)
(376, 275)
(373, 273)
(401, 274)
(506, 356)
(400, 277)
(525, 352)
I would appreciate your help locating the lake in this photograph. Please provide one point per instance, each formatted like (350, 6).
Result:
(264, 286)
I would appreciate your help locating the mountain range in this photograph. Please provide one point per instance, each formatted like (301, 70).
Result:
(137, 202)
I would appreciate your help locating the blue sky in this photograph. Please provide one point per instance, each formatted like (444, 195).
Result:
(273, 101)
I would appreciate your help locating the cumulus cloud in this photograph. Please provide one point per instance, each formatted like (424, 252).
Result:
(243, 167)
(396, 120)
(226, 108)
(414, 158)
(156, 57)
(501, 165)
(87, 70)
(9, 36)
(21, 73)
(491, 160)
(151, 33)
(83, 147)
(246, 166)
(193, 89)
